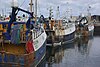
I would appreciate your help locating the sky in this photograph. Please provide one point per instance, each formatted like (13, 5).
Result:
(75, 7)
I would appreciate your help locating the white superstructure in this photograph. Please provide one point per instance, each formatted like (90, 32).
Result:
(67, 29)
(91, 27)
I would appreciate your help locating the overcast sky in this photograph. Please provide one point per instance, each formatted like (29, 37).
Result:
(76, 6)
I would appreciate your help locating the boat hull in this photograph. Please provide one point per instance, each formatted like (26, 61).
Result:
(62, 36)
(33, 59)
(25, 60)
(39, 54)
(69, 38)
(82, 31)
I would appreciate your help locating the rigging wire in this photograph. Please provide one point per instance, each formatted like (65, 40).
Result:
(39, 10)
(22, 3)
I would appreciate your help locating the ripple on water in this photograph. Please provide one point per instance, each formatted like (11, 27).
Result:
(83, 52)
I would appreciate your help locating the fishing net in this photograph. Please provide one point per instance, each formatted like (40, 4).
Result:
(15, 34)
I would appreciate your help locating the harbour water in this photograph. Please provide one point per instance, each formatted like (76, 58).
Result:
(83, 52)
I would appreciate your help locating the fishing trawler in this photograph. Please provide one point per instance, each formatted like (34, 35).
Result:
(22, 44)
(69, 30)
(59, 31)
(85, 26)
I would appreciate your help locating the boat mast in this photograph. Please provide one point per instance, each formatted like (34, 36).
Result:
(2, 12)
(31, 5)
(58, 13)
(50, 13)
(35, 10)
(88, 10)
(67, 12)
(88, 13)
(14, 3)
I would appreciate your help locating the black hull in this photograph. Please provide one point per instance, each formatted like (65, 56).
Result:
(69, 37)
(63, 39)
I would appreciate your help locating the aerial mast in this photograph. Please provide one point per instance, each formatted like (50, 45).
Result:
(31, 5)
(58, 13)
(88, 13)
(88, 10)
(50, 13)
(14, 3)
(35, 10)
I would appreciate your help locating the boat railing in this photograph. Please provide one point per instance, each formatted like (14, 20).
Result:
(37, 32)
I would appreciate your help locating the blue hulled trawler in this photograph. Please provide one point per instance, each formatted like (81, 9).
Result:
(22, 44)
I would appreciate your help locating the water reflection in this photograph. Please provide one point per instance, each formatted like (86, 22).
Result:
(83, 44)
(42, 63)
(69, 55)
(54, 54)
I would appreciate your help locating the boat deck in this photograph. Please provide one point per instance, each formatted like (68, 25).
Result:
(13, 49)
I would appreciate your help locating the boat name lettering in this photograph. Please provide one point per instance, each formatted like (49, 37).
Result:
(36, 42)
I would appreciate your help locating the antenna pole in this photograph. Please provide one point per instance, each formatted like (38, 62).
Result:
(50, 13)
(31, 4)
(58, 13)
(35, 10)
(14, 3)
